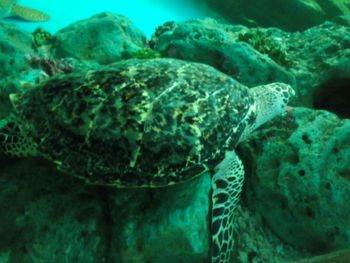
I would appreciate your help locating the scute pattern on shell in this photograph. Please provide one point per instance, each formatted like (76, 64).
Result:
(137, 122)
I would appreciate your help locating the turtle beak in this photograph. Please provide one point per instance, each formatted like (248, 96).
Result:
(288, 110)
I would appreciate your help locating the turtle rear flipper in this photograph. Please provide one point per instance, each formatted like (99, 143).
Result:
(29, 14)
(226, 185)
(13, 142)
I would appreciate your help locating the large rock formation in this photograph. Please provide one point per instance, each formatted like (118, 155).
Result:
(289, 15)
(103, 38)
(216, 44)
(14, 44)
(298, 179)
(316, 61)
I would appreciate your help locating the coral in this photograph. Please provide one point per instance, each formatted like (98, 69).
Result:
(49, 65)
(146, 53)
(264, 42)
(42, 37)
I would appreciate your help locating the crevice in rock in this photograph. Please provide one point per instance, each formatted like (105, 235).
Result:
(334, 96)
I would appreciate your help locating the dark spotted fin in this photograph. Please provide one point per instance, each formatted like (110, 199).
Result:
(28, 14)
(226, 186)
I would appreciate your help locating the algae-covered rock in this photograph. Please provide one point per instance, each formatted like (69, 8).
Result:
(42, 37)
(104, 38)
(146, 53)
(340, 256)
(318, 58)
(216, 44)
(172, 223)
(300, 179)
(62, 220)
(322, 56)
(255, 242)
(289, 15)
(14, 44)
(49, 217)
(316, 61)
(11, 85)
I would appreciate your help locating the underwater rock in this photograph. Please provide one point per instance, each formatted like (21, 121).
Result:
(15, 46)
(317, 58)
(255, 242)
(341, 256)
(322, 59)
(172, 223)
(289, 15)
(103, 38)
(216, 44)
(14, 43)
(342, 20)
(47, 216)
(299, 179)
(51, 217)
(316, 61)
(11, 85)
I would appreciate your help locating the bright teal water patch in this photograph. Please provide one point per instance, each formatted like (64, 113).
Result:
(145, 14)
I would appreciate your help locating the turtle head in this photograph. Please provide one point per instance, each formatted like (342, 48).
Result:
(270, 101)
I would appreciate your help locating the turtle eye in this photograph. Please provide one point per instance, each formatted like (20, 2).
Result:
(287, 92)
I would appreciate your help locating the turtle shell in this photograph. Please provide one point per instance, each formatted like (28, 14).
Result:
(136, 123)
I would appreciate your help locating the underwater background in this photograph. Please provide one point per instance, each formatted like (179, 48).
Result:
(294, 206)
(146, 15)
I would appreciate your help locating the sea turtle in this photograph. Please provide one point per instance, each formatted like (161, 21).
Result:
(146, 123)
(9, 8)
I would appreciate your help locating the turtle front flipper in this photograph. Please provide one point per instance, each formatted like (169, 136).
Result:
(13, 142)
(226, 186)
(28, 14)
